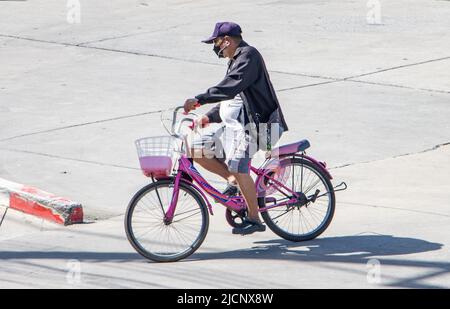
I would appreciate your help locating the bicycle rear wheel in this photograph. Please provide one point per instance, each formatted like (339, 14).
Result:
(161, 241)
(301, 221)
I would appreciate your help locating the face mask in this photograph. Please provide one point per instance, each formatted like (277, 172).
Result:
(219, 51)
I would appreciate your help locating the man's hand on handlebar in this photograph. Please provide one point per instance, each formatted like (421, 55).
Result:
(202, 122)
(190, 105)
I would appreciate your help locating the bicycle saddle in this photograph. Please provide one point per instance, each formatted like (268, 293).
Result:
(290, 148)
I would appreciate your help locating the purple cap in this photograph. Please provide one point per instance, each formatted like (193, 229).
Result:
(223, 29)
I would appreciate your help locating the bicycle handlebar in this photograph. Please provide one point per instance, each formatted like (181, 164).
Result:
(174, 118)
(175, 130)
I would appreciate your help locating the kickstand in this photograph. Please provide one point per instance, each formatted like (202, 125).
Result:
(338, 187)
(4, 215)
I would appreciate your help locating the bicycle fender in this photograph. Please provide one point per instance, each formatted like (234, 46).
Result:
(321, 165)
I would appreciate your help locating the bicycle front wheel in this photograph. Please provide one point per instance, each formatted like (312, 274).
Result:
(159, 240)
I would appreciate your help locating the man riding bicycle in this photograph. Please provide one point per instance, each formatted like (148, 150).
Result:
(249, 109)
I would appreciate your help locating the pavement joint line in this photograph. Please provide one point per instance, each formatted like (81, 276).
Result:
(80, 125)
(412, 282)
(393, 157)
(145, 54)
(135, 168)
(308, 85)
(350, 79)
(132, 34)
(397, 86)
(396, 208)
(81, 45)
(368, 233)
(153, 112)
(399, 67)
(306, 75)
(88, 274)
(70, 159)
(426, 150)
(105, 49)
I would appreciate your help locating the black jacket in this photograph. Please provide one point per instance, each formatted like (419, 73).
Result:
(246, 75)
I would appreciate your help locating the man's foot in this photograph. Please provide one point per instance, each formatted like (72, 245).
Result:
(251, 227)
(231, 190)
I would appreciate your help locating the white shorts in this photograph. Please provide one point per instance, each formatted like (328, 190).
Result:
(230, 143)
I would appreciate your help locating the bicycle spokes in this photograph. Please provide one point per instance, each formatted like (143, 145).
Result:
(305, 209)
(154, 234)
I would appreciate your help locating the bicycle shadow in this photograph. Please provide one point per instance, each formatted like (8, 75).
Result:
(348, 250)
(348, 247)
(357, 249)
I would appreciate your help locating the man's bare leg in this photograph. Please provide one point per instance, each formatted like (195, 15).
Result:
(213, 165)
(247, 186)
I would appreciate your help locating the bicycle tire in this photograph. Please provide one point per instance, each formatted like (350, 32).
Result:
(329, 216)
(173, 257)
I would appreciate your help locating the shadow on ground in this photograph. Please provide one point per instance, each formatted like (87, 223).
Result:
(347, 250)
(344, 249)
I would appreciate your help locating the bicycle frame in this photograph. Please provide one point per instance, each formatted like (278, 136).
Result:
(236, 204)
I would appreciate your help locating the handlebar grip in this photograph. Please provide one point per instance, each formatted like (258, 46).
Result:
(192, 125)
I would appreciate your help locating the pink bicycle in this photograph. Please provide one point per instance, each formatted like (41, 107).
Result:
(168, 219)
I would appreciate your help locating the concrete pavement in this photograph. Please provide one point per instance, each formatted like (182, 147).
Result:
(395, 212)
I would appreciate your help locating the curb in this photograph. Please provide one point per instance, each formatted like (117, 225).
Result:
(40, 203)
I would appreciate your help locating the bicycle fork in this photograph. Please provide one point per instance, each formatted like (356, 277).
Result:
(168, 216)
